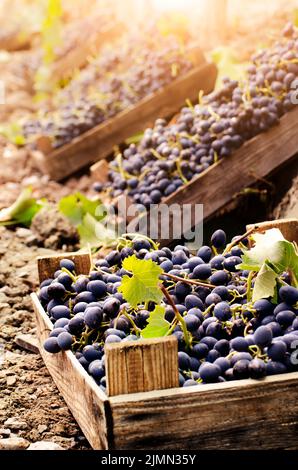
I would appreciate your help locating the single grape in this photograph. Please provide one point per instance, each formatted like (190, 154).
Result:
(219, 239)
(93, 317)
(241, 369)
(200, 350)
(263, 336)
(67, 264)
(288, 294)
(96, 369)
(257, 368)
(51, 345)
(60, 311)
(189, 383)
(285, 318)
(222, 311)
(65, 341)
(98, 288)
(277, 350)
(183, 360)
(56, 290)
(112, 339)
(209, 373)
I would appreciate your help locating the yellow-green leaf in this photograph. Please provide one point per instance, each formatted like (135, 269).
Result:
(157, 326)
(143, 285)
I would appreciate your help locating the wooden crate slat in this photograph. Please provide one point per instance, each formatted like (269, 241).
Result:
(97, 143)
(47, 265)
(86, 401)
(155, 360)
(189, 419)
(288, 227)
(99, 171)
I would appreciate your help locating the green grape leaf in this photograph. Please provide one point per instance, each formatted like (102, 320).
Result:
(22, 211)
(270, 257)
(157, 326)
(265, 283)
(71, 209)
(76, 206)
(288, 259)
(94, 234)
(143, 286)
(265, 248)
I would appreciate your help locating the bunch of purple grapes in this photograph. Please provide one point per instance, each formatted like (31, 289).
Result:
(169, 156)
(229, 336)
(112, 83)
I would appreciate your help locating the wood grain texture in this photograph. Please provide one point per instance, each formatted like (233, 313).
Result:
(87, 402)
(233, 415)
(99, 171)
(288, 227)
(255, 160)
(47, 265)
(141, 366)
(99, 142)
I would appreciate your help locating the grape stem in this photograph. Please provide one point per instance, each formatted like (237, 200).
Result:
(293, 278)
(248, 289)
(139, 235)
(188, 281)
(73, 278)
(136, 329)
(178, 315)
(239, 239)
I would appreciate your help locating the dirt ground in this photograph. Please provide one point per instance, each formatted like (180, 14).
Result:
(29, 399)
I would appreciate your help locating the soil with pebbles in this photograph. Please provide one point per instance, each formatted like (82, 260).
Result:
(30, 404)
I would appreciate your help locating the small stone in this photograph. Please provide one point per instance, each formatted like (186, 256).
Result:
(23, 232)
(5, 432)
(44, 445)
(28, 342)
(11, 380)
(42, 428)
(15, 424)
(13, 443)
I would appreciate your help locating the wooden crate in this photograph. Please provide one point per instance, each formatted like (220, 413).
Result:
(244, 414)
(221, 182)
(99, 142)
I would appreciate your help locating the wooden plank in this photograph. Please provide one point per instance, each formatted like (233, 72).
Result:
(87, 402)
(241, 414)
(288, 227)
(255, 160)
(155, 360)
(47, 265)
(28, 342)
(99, 171)
(99, 142)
